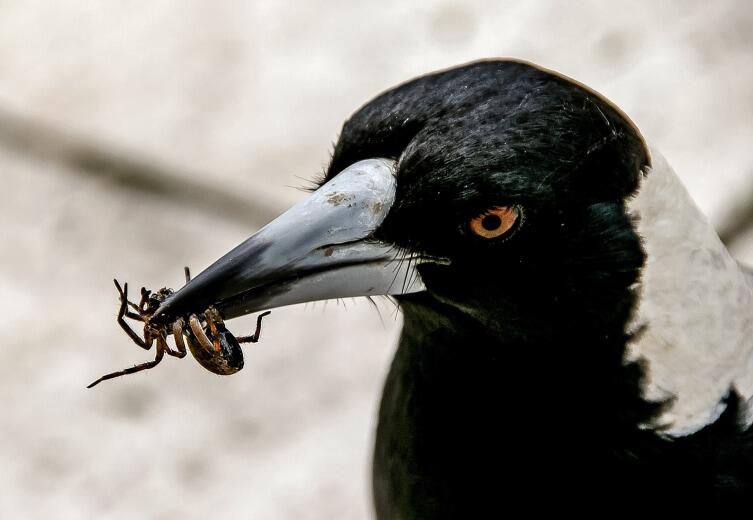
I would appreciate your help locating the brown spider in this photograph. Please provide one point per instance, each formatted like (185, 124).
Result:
(222, 354)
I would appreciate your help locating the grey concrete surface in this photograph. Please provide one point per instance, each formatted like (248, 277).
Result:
(245, 98)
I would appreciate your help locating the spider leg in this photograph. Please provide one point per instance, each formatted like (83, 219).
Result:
(137, 368)
(145, 293)
(178, 327)
(215, 333)
(133, 315)
(145, 343)
(198, 331)
(255, 337)
(162, 342)
(187, 272)
(123, 296)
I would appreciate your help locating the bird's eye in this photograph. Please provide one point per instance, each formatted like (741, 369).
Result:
(495, 222)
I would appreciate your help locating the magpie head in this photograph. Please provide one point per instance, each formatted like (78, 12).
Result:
(497, 185)
(516, 175)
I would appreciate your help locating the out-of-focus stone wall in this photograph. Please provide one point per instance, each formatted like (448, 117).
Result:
(245, 98)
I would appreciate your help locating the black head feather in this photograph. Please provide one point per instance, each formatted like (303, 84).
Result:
(496, 133)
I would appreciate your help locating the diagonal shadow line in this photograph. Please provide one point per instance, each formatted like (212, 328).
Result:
(129, 170)
(739, 220)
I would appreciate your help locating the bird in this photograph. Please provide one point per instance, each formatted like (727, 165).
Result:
(574, 332)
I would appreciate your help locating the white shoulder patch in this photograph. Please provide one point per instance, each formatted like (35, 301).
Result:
(696, 306)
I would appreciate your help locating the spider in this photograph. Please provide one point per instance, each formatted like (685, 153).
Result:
(222, 354)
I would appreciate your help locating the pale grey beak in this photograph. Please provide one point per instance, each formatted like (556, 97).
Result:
(321, 248)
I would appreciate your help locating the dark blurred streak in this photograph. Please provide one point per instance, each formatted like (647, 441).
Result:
(130, 170)
(740, 219)
(133, 171)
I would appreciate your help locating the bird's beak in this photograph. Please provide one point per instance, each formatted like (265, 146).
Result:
(321, 248)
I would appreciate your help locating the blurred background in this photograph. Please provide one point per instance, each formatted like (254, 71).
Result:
(139, 137)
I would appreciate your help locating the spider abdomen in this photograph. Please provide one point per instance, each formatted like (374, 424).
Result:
(225, 360)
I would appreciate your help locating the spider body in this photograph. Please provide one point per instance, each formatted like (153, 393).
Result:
(223, 354)
(204, 335)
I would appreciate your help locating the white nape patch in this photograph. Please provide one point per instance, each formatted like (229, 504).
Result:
(696, 305)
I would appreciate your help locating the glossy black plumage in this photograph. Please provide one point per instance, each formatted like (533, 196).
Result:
(510, 381)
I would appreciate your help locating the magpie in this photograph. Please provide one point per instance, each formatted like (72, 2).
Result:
(575, 333)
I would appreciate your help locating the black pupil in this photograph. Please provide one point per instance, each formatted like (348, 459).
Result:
(491, 222)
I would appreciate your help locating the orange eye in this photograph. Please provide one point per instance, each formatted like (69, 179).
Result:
(495, 222)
